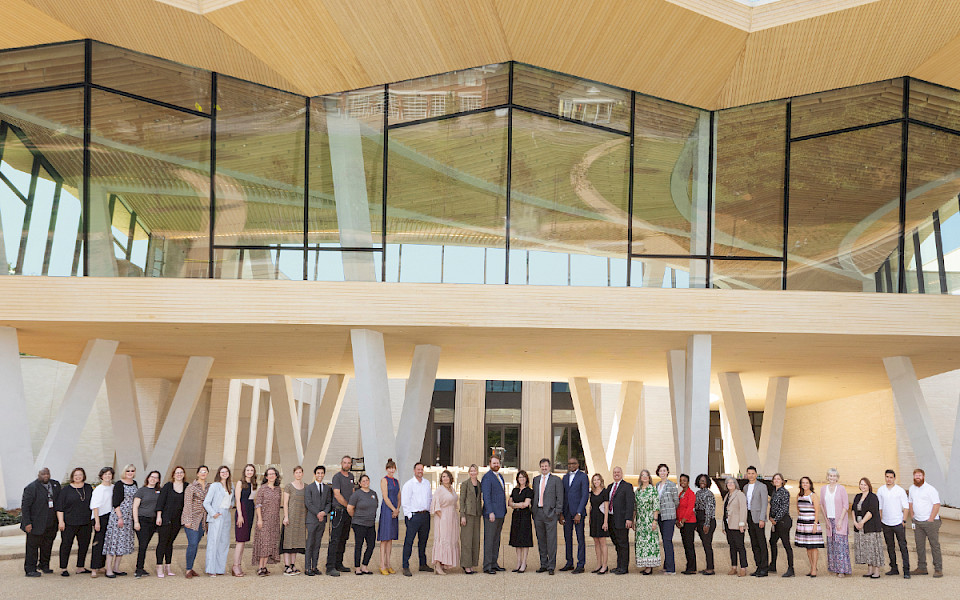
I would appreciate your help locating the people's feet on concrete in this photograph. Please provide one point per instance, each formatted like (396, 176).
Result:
(938, 573)
(922, 571)
(406, 572)
(32, 574)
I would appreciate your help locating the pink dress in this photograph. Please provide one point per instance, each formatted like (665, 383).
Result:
(446, 528)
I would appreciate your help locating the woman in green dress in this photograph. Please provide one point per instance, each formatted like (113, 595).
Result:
(647, 544)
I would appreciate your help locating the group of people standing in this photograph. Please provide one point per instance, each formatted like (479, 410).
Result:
(290, 520)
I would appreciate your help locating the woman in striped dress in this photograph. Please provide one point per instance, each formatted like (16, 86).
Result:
(809, 532)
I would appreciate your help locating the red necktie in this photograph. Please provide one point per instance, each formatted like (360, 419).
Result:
(612, 494)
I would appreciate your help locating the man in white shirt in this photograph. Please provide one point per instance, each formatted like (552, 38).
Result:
(415, 497)
(924, 510)
(894, 508)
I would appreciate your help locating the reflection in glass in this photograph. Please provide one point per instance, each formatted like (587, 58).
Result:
(259, 263)
(449, 93)
(746, 274)
(668, 273)
(935, 104)
(327, 265)
(571, 97)
(151, 77)
(847, 107)
(748, 200)
(844, 211)
(29, 68)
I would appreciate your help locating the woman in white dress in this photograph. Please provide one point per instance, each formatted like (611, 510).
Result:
(217, 503)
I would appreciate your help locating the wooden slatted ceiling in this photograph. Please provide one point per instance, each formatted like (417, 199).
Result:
(25, 25)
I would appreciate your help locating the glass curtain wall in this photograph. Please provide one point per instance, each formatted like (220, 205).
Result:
(114, 163)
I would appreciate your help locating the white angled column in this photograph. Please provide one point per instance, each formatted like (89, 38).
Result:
(231, 428)
(917, 419)
(774, 415)
(417, 397)
(125, 413)
(253, 388)
(286, 423)
(64, 432)
(951, 494)
(318, 444)
(677, 379)
(590, 435)
(373, 398)
(731, 464)
(697, 394)
(469, 418)
(270, 431)
(16, 448)
(181, 411)
(624, 424)
(738, 419)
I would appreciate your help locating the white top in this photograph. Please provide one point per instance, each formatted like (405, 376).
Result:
(923, 498)
(893, 501)
(102, 499)
(416, 496)
(749, 492)
(829, 500)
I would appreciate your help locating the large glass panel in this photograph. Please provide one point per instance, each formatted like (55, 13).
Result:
(844, 211)
(151, 77)
(260, 152)
(668, 273)
(346, 175)
(334, 265)
(932, 244)
(447, 188)
(746, 274)
(259, 263)
(458, 91)
(151, 163)
(569, 189)
(935, 104)
(571, 97)
(748, 200)
(847, 107)
(41, 167)
(46, 66)
(670, 177)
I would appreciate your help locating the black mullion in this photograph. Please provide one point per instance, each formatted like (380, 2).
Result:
(711, 158)
(465, 113)
(214, 102)
(544, 113)
(506, 245)
(383, 176)
(38, 46)
(40, 90)
(87, 117)
(933, 126)
(743, 258)
(847, 130)
(941, 263)
(131, 231)
(306, 187)
(153, 101)
(13, 188)
(904, 149)
(921, 285)
(786, 192)
(633, 130)
(51, 228)
(28, 215)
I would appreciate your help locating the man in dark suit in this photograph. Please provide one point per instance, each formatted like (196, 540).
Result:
(576, 491)
(38, 520)
(547, 504)
(621, 507)
(317, 498)
(757, 501)
(494, 511)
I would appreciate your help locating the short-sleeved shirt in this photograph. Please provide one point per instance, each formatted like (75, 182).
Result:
(74, 503)
(344, 483)
(892, 504)
(365, 507)
(923, 498)
(148, 501)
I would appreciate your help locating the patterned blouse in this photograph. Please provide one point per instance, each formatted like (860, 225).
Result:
(779, 504)
(706, 503)
(194, 515)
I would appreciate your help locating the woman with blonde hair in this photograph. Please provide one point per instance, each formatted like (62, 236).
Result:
(217, 503)
(446, 548)
(835, 503)
(599, 524)
(244, 493)
(389, 526)
(735, 523)
(119, 539)
(647, 507)
(471, 518)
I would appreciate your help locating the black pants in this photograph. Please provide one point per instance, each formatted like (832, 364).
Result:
(97, 558)
(891, 532)
(417, 525)
(781, 532)
(758, 540)
(737, 548)
(707, 540)
(688, 533)
(167, 533)
(363, 534)
(39, 548)
(340, 522)
(82, 534)
(621, 542)
(148, 527)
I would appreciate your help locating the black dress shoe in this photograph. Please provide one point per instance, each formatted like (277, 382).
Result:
(32, 574)
(517, 570)
(406, 572)
(496, 568)
(567, 568)
(542, 570)
(788, 573)
(309, 573)
(491, 572)
(333, 573)
(117, 573)
(424, 568)
(894, 571)
(578, 570)
(343, 569)
(906, 574)
(688, 572)
(49, 571)
(64, 573)
(597, 570)
(761, 573)
(550, 572)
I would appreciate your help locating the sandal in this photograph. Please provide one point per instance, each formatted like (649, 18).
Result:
(262, 572)
(237, 571)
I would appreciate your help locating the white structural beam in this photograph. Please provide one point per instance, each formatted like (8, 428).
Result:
(417, 397)
(373, 395)
(738, 419)
(63, 435)
(286, 423)
(268, 458)
(181, 411)
(16, 448)
(232, 424)
(125, 413)
(350, 186)
(590, 435)
(253, 388)
(624, 423)
(677, 379)
(326, 417)
(917, 419)
(697, 408)
(730, 462)
(774, 416)
(951, 494)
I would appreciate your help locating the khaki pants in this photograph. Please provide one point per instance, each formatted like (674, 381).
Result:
(470, 542)
(928, 531)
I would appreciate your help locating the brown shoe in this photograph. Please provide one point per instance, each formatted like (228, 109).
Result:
(742, 573)
(938, 573)
(919, 572)
(732, 571)
(190, 574)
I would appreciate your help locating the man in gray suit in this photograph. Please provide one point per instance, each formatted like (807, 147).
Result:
(756, 492)
(317, 498)
(547, 507)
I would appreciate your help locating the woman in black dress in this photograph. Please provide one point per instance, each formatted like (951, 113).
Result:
(521, 525)
(599, 499)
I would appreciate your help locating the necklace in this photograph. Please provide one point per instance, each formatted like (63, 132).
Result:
(80, 493)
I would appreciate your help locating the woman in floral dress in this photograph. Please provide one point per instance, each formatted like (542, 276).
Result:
(119, 538)
(647, 542)
(266, 536)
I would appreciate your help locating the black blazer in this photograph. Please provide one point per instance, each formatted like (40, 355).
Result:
(316, 502)
(35, 509)
(623, 504)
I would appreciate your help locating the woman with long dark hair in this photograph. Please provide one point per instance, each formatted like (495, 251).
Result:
(145, 518)
(217, 503)
(244, 492)
(809, 533)
(169, 514)
(266, 537)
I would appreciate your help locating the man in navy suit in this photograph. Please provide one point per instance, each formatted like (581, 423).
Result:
(493, 490)
(576, 490)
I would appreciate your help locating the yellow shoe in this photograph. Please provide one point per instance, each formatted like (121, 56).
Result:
(390, 570)
(384, 571)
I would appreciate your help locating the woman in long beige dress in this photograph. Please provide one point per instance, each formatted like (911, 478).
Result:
(446, 525)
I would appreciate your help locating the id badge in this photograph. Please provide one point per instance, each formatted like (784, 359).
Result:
(49, 503)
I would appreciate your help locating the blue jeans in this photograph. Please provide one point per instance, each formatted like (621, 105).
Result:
(666, 534)
(417, 526)
(193, 541)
